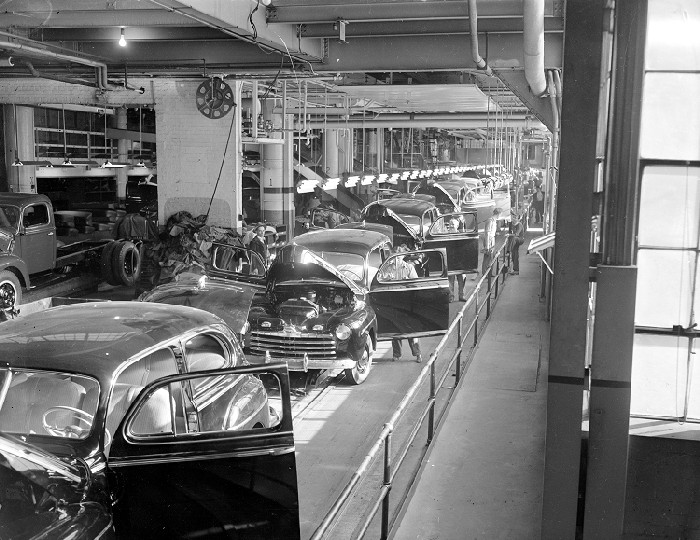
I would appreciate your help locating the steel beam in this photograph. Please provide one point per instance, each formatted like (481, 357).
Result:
(611, 376)
(516, 82)
(423, 27)
(568, 331)
(239, 18)
(295, 12)
(433, 53)
(89, 18)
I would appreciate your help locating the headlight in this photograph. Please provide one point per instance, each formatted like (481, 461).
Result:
(342, 332)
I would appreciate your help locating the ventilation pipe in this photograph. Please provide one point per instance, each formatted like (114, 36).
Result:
(474, 37)
(533, 46)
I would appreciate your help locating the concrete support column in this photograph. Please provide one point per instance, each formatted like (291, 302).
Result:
(277, 178)
(122, 151)
(578, 166)
(345, 149)
(19, 144)
(613, 336)
(330, 152)
(198, 165)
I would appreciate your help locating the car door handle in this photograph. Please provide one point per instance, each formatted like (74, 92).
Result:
(50, 234)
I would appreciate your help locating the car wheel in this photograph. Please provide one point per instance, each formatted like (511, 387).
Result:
(126, 263)
(358, 373)
(106, 263)
(10, 290)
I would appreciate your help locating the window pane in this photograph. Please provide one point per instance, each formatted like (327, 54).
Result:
(664, 282)
(670, 110)
(659, 367)
(694, 392)
(673, 37)
(670, 207)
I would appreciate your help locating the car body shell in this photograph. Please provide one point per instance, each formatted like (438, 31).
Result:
(307, 298)
(418, 223)
(100, 341)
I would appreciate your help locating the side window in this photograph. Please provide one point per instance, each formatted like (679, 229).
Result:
(236, 259)
(230, 402)
(205, 352)
(374, 261)
(412, 267)
(36, 214)
(132, 380)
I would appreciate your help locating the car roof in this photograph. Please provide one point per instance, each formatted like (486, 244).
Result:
(94, 338)
(358, 241)
(406, 205)
(22, 198)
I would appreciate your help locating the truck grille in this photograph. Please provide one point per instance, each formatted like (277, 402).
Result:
(286, 345)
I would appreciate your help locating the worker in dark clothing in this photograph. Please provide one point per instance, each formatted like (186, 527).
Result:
(259, 246)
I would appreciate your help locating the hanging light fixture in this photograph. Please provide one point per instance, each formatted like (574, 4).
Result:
(108, 163)
(122, 39)
(21, 163)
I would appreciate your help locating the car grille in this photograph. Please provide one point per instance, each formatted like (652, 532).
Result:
(288, 345)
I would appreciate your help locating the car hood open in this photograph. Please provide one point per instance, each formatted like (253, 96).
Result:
(296, 263)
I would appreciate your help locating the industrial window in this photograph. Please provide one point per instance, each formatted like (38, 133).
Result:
(668, 292)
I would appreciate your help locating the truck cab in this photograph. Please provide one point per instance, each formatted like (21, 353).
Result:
(28, 218)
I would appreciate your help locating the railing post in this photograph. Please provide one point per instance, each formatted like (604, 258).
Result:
(498, 275)
(387, 482)
(458, 370)
(476, 318)
(488, 292)
(431, 412)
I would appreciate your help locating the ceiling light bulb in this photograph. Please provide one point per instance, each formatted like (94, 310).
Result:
(122, 39)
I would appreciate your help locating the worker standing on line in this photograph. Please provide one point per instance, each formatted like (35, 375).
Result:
(399, 270)
(489, 241)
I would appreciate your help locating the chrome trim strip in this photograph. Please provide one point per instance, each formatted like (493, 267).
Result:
(168, 458)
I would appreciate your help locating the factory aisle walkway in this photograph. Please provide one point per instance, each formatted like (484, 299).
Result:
(483, 475)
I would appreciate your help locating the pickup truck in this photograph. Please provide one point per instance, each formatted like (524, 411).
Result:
(29, 249)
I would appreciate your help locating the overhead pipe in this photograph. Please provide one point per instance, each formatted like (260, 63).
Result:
(100, 67)
(474, 37)
(40, 75)
(554, 159)
(533, 46)
(446, 123)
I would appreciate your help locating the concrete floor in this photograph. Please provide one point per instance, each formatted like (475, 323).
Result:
(483, 476)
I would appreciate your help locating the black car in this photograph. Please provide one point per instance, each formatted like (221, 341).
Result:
(141, 420)
(327, 300)
(417, 222)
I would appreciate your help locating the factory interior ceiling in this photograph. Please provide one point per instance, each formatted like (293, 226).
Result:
(447, 64)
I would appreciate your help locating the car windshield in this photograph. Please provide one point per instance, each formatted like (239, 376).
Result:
(350, 264)
(9, 217)
(47, 403)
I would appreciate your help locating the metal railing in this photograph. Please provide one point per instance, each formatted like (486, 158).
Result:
(475, 304)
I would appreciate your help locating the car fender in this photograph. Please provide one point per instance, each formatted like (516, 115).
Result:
(13, 263)
(363, 325)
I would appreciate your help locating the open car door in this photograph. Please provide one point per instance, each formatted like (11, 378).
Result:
(237, 263)
(410, 294)
(208, 455)
(458, 234)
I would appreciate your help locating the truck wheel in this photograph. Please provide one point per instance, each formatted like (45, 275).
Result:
(106, 263)
(10, 290)
(358, 373)
(126, 263)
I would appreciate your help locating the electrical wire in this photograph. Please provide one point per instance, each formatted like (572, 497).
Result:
(250, 19)
(223, 160)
